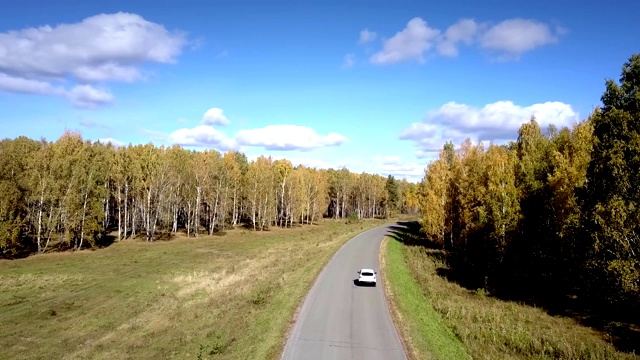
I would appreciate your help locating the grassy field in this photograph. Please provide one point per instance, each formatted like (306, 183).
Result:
(488, 327)
(227, 297)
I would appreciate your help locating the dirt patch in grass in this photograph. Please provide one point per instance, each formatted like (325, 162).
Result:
(228, 297)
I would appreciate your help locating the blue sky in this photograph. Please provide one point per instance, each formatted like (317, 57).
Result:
(377, 86)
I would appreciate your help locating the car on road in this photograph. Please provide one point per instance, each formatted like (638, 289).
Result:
(366, 277)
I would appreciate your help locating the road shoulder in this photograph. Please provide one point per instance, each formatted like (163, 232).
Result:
(422, 332)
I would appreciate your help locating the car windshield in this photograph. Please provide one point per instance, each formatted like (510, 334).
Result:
(366, 273)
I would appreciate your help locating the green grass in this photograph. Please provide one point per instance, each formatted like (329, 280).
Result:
(227, 297)
(488, 327)
(424, 333)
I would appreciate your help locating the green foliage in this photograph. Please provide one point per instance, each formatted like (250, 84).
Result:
(612, 198)
(393, 196)
(353, 218)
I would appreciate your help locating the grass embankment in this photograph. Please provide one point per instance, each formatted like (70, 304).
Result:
(488, 327)
(230, 296)
(424, 334)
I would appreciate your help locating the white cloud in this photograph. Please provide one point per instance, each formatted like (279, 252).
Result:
(27, 86)
(409, 44)
(366, 36)
(464, 31)
(87, 96)
(509, 39)
(411, 171)
(155, 135)
(349, 61)
(106, 72)
(497, 121)
(287, 137)
(202, 136)
(82, 96)
(101, 48)
(214, 116)
(386, 165)
(272, 137)
(514, 37)
(112, 141)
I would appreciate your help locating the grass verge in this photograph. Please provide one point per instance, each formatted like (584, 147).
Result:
(230, 297)
(424, 334)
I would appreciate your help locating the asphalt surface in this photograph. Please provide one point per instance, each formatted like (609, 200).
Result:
(341, 320)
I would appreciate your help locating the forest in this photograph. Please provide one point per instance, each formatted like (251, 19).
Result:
(75, 193)
(553, 216)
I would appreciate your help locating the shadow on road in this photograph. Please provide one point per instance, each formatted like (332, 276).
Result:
(359, 284)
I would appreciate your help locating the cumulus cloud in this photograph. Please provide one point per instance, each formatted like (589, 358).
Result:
(366, 36)
(408, 44)
(464, 31)
(26, 86)
(82, 96)
(287, 137)
(88, 97)
(202, 136)
(101, 48)
(516, 36)
(497, 121)
(272, 137)
(214, 116)
(509, 39)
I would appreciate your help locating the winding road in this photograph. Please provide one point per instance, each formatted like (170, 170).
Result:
(340, 320)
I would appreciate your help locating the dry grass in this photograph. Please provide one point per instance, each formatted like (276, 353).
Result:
(495, 329)
(227, 297)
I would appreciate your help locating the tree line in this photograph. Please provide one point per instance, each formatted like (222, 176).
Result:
(75, 192)
(555, 212)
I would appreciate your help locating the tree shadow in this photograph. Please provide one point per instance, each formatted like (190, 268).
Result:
(105, 241)
(408, 233)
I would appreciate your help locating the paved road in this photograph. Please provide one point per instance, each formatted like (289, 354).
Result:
(339, 320)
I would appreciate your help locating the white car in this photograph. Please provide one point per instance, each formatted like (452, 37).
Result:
(366, 277)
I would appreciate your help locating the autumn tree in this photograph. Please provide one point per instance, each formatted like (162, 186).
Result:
(14, 191)
(433, 208)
